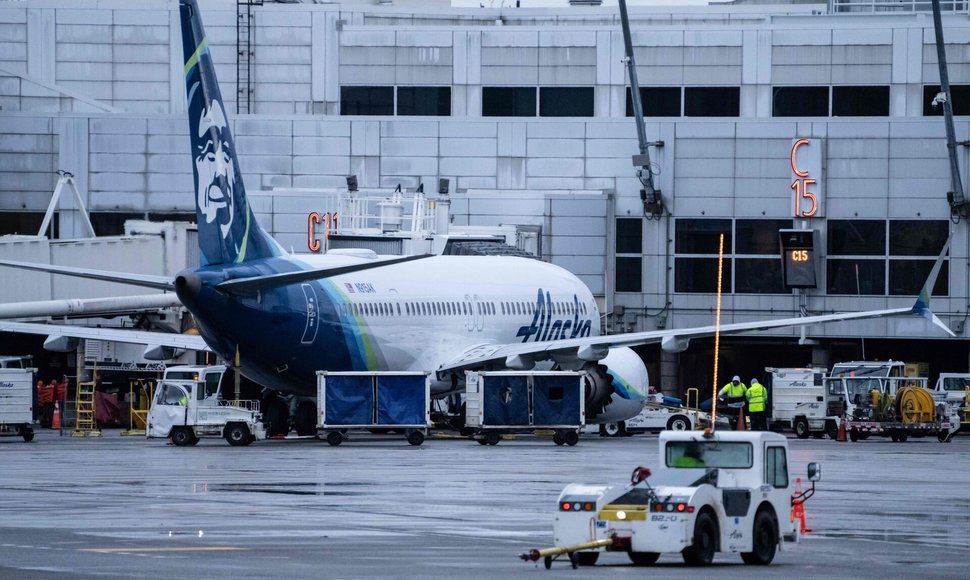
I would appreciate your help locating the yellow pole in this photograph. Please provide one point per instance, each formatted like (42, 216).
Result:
(237, 374)
(717, 327)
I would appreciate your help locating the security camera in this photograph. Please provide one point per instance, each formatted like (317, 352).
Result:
(938, 100)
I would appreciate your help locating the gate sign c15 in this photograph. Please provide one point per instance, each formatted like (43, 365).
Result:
(806, 175)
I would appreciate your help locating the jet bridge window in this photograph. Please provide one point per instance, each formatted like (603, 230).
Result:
(776, 467)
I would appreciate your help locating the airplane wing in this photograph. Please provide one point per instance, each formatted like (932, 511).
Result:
(148, 338)
(597, 347)
(147, 280)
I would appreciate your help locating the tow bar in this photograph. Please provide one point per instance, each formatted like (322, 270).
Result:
(550, 554)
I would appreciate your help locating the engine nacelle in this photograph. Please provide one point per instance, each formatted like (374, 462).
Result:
(616, 388)
(61, 343)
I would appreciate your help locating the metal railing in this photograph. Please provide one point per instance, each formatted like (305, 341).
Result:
(247, 404)
(872, 6)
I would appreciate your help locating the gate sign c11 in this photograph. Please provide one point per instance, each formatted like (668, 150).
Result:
(806, 177)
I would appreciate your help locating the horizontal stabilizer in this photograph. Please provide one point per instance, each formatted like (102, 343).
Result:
(252, 285)
(148, 338)
(146, 280)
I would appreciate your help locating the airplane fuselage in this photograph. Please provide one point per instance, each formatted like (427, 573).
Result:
(401, 317)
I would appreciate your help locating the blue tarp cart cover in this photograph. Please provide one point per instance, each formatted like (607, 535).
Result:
(555, 400)
(506, 400)
(350, 400)
(401, 400)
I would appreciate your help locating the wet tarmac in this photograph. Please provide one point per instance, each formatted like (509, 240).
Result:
(379, 508)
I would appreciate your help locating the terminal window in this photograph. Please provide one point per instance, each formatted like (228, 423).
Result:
(26, 223)
(810, 101)
(656, 101)
(757, 268)
(424, 101)
(860, 101)
(880, 257)
(712, 101)
(629, 267)
(508, 101)
(959, 100)
(696, 246)
(367, 100)
(565, 101)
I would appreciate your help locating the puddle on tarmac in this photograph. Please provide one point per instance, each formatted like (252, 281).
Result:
(283, 488)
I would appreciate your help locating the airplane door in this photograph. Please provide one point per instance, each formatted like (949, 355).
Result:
(479, 313)
(167, 410)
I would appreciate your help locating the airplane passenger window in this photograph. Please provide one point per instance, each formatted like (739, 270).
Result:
(398, 309)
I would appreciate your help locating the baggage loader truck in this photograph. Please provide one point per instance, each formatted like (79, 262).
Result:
(186, 411)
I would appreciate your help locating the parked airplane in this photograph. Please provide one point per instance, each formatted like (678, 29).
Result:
(288, 316)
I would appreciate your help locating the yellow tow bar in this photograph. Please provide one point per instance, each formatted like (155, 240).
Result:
(550, 554)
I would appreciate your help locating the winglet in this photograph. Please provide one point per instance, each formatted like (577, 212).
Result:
(922, 304)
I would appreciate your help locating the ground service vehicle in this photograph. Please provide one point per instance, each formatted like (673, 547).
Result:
(798, 402)
(895, 407)
(16, 402)
(723, 492)
(656, 416)
(953, 389)
(184, 411)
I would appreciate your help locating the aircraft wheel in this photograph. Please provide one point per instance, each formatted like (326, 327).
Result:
(571, 438)
(182, 436)
(334, 438)
(587, 558)
(415, 438)
(237, 435)
(28, 434)
(276, 418)
(643, 558)
(801, 428)
(764, 540)
(701, 552)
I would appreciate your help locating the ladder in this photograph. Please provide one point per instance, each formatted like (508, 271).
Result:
(85, 425)
(245, 64)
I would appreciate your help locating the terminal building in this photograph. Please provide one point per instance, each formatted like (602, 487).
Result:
(819, 118)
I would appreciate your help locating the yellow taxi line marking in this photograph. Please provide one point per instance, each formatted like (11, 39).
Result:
(184, 549)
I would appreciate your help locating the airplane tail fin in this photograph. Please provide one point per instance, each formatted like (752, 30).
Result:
(228, 232)
(922, 304)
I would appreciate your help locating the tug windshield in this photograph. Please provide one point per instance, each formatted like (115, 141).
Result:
(704, 454)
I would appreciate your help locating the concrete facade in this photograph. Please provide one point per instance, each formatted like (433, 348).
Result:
(95, 88)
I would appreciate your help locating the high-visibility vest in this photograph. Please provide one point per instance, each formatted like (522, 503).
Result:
(757, 397)
(733, 391)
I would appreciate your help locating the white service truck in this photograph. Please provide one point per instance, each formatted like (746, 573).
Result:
(953, 389)
(185, 411)
(656, 417)
(16, 402)
(725, 492)
(798, 402)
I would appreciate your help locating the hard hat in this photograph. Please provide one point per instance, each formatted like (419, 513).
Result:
(736, 378)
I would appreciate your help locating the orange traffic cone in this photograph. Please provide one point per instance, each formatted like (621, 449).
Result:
(841, 435)
(741, 425)
(56, 421)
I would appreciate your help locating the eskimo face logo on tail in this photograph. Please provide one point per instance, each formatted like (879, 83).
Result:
(215, 169)
(543, 327)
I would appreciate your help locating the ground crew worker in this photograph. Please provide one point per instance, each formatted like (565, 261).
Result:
(693, 456)
(733, 395)
(757, 396)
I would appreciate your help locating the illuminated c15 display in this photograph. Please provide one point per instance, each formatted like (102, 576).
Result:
(799, 262)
